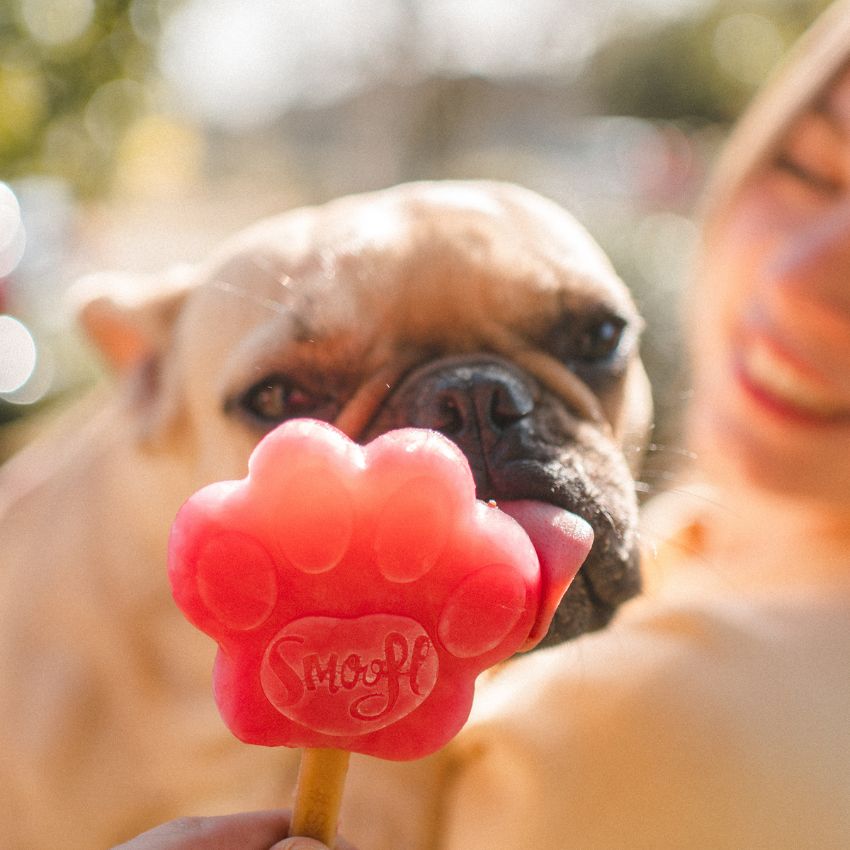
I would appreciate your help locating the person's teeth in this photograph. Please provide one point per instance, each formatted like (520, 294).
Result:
(782, 381)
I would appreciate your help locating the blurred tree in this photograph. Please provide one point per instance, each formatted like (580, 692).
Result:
(702, 68)
(73, 75)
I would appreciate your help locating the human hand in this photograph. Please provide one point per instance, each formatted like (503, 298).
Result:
(247, 831)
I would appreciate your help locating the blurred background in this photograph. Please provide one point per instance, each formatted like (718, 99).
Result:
(138, 133)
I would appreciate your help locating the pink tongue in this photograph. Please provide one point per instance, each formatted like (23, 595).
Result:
(562, 541)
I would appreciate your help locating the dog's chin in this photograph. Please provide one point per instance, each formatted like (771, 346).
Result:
(610, 575)
(590, 603)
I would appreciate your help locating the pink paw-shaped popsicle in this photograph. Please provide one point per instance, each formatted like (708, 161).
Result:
(355, 592)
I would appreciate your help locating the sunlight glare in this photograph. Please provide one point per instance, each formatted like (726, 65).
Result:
(17, 354)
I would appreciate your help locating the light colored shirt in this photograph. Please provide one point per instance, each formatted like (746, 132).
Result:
(714, 713)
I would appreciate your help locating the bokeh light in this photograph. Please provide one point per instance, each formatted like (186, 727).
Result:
(55, 22)
(12, 235)
(159, 157)
(17, 354)
(23, 101)
(39, 384)
(112, 107)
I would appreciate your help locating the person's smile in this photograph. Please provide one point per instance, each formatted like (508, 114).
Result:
(785, 387)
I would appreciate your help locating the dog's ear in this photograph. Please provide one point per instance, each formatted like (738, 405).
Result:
(129, 318)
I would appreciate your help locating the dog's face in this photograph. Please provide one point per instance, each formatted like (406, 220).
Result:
(479, 310)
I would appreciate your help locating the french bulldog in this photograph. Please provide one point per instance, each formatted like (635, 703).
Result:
(478, 309)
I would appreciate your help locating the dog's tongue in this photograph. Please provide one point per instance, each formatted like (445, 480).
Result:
(562, 541)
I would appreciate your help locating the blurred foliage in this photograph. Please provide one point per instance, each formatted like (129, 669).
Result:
(76, 75)
(677, 72)
(73, 76)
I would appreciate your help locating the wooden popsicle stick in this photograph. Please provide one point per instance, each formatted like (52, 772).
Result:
(318, 794)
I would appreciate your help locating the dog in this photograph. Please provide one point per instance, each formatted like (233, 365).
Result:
(478, 309)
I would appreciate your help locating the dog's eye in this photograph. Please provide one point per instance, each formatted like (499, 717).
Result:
(590, 341)
(276, 398)
(599, 338)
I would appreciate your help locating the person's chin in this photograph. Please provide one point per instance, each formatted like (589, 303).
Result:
(744, 453)
(735, 451)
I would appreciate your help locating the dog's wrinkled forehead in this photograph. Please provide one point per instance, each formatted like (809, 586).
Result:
(459, 250)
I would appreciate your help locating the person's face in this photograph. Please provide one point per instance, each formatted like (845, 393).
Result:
(770, 318)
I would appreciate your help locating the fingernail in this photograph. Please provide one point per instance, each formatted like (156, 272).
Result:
(299, 843)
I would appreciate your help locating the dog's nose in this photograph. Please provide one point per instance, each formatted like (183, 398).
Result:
(481, 404)
(476, 399)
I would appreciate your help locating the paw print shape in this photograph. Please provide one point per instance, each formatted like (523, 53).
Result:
(355, 592)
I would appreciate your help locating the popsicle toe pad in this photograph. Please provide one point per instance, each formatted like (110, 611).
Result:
(355, 592)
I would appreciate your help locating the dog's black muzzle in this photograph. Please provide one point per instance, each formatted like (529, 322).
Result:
(523, 442)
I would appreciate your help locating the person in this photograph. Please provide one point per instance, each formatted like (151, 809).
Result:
(264, 830)
(713, 712)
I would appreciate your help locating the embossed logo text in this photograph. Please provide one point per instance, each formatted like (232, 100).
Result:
(349, 676)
